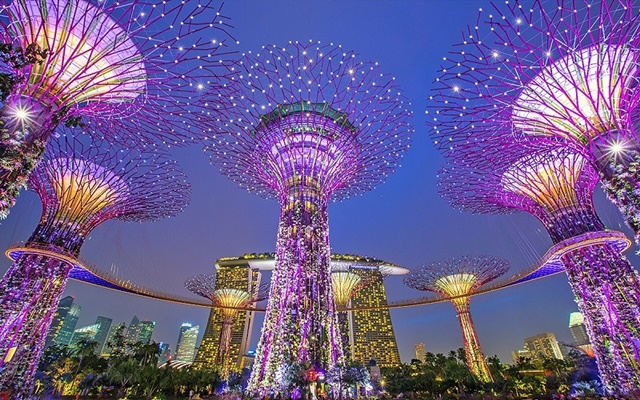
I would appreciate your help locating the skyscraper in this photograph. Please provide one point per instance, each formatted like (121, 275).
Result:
(84, 333)
(543, 345)
(240, 273)
(65, 333)
(186, 347)
(577, 328)
(106, 349)
(58, 319)
(146, 330)
(373, 335)
(140, 331)
(421, 352)
(183, 328)
(103, 332)
(579, 333)
(133, 331)
(165, 353)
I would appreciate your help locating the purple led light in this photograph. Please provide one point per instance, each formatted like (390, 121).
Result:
(556, 185)
(312, 124)
(80, 185)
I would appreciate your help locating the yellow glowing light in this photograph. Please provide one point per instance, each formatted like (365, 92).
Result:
(548, 180)
(578, 96)
(10, 354)
(456, 285)
(83, 189)
(233, 298)
(344, 285)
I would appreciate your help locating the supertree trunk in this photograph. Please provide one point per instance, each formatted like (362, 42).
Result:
(222, 355)
(475, 357)
(300, 323)
(607, 292)
(31, 291)
(345, 333)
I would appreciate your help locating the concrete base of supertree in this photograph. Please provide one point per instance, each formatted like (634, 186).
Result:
(300, 324)
(31, 289)
(607, 291)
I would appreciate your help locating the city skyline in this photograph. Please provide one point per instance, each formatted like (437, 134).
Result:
(401, 221)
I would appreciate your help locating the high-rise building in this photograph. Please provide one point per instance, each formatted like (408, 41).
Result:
(106, 349)
(65, 333)
(165, 353)
(84, 333)
(146, 331)
(372, 329)
(578, 329)
(241, 273)
(140, 331)
(543, 345)
(103, 332)
(64, 305)
(133, 331)
(421, 352)
(186, 347)
(183, 328)
(579, 333)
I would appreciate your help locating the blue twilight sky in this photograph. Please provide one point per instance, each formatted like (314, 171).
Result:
(403, 221)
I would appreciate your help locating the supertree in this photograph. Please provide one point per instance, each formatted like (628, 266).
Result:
(457, 278)
(566, 70)
(124, 71)
(311, 124)
(555, 184)
(230, 302)
(81, 184)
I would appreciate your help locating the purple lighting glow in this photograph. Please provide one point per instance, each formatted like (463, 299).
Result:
(80, 186)
(312, 124)
(556, 185)
(130, 71)
(565, 70)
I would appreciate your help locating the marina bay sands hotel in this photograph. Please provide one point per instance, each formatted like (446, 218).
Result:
(370, 331)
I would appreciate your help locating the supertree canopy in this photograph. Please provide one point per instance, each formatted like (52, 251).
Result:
(230, 301)
(345, 285)
(312, 123)
(555, 185)
(457, 278)
(80, 185)
(124, 71)
(566, 70)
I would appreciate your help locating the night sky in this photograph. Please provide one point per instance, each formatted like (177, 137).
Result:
(403, 221)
